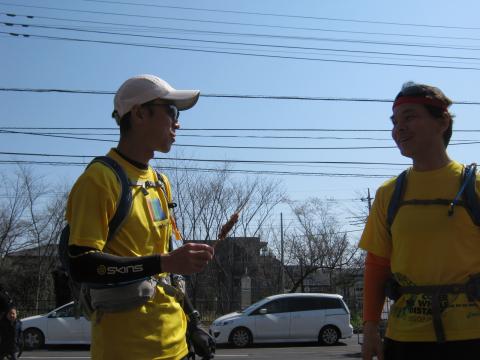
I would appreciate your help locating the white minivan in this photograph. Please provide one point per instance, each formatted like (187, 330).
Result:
(296, 317)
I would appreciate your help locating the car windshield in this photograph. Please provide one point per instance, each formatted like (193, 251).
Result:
(251, 307)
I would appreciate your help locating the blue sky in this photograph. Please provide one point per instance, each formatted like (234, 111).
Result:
(444, 33)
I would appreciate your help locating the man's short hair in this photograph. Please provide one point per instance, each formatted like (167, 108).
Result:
(125, 121)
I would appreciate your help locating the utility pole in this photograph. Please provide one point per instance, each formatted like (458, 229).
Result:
(282, 270)
(368, 199)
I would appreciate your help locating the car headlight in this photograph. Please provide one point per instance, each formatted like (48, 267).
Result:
(222, 322)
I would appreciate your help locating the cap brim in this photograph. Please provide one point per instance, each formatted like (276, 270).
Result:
(183, 99)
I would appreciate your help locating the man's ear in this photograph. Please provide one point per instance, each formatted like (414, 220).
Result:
(445, 122)
(138, 115)
(137, 112)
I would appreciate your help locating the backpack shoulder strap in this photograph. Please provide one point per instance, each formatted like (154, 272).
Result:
(125, 201)
(165, 184)
(123, 208)
(396, 198)
(470, 194)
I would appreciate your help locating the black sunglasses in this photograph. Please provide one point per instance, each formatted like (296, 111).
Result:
(172, 110)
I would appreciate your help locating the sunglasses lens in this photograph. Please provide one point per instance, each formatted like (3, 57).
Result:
(173, 112)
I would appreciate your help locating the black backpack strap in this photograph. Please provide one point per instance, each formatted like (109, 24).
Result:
(166, 188)
(470, 194)
(396, 198)
(164, 184)
(125, 202)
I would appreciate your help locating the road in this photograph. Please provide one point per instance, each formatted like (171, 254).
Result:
(346, 349)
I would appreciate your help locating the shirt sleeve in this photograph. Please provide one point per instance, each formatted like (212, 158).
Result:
(376, 237)
(101, 268)
(91, 205)
(377, 271)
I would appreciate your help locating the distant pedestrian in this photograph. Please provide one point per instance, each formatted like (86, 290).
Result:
(10, 334)
(5, 301)
(423, 241)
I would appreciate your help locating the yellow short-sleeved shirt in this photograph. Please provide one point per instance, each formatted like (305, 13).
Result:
(427, 247)
(157, 329)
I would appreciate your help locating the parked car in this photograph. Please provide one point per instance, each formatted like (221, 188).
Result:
(57, 327)
(297, 317)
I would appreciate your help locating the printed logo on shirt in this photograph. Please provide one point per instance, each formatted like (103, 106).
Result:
(155, 208)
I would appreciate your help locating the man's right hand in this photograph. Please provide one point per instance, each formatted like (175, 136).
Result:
(188, 259)
(372, 342)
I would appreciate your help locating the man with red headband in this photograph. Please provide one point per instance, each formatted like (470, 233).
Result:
(425, 248)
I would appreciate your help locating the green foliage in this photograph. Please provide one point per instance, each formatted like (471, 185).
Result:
(20, 278)
(356, 321)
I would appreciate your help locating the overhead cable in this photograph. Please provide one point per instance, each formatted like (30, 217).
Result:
(239, 171)
(337, 40)
(243, 34)
(249, 147)
(282, 162)
(232, 96)
(202, 50)
(253, 13)
(289, 47)
(222, 129)
(273, 137)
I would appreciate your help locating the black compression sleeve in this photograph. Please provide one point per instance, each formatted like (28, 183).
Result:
(93, 266)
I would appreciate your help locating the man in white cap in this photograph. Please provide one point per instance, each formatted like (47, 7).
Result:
(146, 108)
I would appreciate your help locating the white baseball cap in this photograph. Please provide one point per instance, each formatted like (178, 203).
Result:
(144, 88)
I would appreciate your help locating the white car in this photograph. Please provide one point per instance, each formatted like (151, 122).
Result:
(57, 327)
(297, 317)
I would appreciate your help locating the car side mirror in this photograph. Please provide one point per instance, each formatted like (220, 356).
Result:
(262, 311)
(53, 315)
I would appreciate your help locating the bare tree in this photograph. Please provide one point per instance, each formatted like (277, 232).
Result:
(31, 220)
(200, 198)
(206, 201)
(13, 205)
(316, 242)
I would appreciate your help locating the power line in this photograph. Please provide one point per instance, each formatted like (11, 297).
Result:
(238, 171)
(270, 36)
(245, 13)
(222, 129)
(247, 147)
(203, 50)
(233, 96)
(281, 162)
(116, 134)
(338, 40)
(227, 33)
(234, 136)
(207, 146)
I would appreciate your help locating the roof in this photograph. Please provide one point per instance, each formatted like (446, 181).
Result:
(43, 250)
(324, 295)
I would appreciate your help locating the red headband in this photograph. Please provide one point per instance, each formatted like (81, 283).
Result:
(419, 100)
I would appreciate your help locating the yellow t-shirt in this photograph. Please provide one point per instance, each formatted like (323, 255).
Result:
(427, 247)
(157, 329)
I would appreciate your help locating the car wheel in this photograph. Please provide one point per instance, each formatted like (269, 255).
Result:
(240, 337)
(329, 335)
(33, 338)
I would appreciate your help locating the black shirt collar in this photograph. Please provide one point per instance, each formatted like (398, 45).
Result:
(133, 162)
